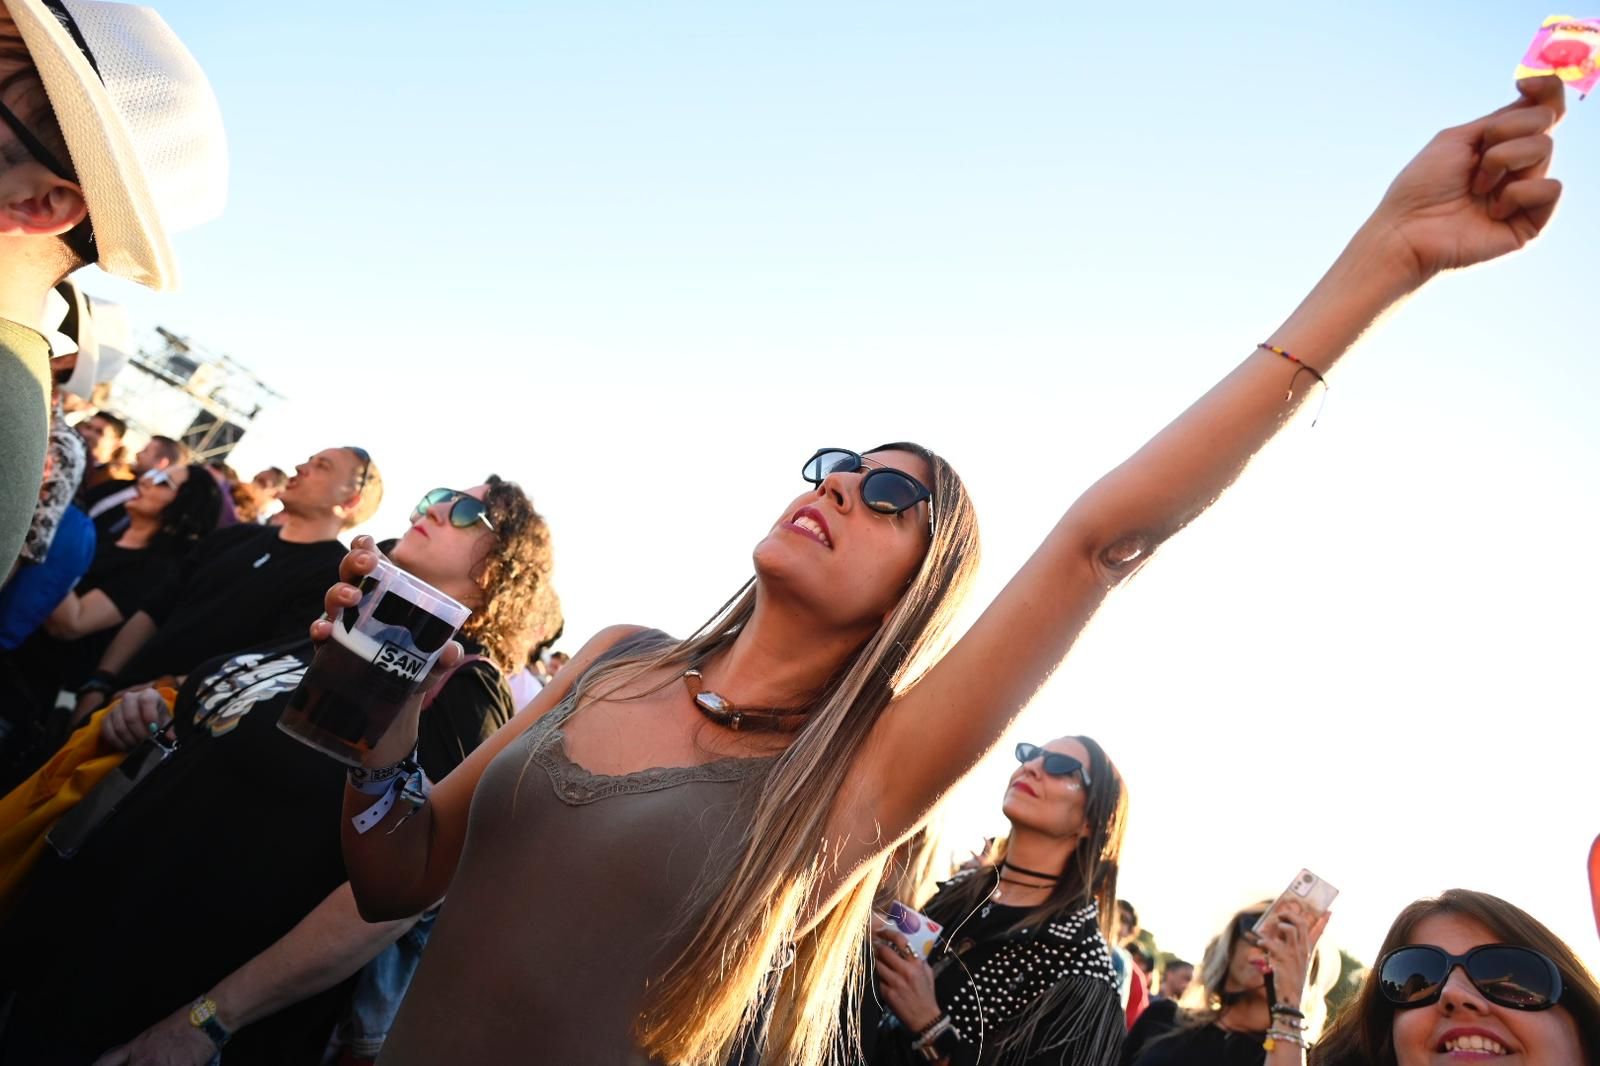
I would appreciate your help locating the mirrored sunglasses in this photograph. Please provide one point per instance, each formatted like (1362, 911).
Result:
(464, 513)
(1515, 977)
(884, 489)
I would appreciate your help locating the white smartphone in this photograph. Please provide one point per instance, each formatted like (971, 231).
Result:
(1310, 891)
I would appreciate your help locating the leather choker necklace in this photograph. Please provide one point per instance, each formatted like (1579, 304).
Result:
(1014, 868)
(721, 710)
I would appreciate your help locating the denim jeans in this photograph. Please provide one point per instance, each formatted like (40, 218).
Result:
(381, 986)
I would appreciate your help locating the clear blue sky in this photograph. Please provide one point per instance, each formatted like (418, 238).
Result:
(645, 257)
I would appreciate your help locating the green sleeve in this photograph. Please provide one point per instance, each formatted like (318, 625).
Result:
(24, 425)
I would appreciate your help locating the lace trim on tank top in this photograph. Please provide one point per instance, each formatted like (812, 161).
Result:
(575, 786)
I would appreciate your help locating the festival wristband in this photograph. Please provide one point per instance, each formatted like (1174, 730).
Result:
(412, 786)
(375, 782)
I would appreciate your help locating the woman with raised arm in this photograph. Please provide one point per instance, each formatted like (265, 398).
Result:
(694, 827)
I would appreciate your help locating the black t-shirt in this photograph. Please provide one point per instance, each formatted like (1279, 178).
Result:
(1160, 1038)
(130, 576)
(219, 853)
(241, 587)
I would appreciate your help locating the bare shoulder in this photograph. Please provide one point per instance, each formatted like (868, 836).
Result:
(602, 642)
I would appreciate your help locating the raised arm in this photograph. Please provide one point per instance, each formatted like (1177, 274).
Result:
(1474, 193)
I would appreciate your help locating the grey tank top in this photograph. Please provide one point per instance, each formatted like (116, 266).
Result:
(567, 899)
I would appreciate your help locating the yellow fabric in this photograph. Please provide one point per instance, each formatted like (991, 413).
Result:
(28, 811)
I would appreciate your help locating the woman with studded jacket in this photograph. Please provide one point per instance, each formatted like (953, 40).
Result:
(1021, 974)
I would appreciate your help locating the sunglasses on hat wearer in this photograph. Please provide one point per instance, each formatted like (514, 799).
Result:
(884, 489)
(366, 465)
(1515, 977)
(80, 242)
(465, 512)
(1055, 763)
(157, 477)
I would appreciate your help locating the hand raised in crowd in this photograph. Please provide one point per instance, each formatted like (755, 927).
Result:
(130, 722)
(1288, 942)
(1480, 190)
(170, 1042)
(904, 979)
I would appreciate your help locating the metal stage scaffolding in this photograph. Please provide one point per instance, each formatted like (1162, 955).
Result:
(174, 387)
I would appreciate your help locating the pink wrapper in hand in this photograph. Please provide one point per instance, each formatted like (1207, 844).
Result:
(1567, 47)
(920, 931)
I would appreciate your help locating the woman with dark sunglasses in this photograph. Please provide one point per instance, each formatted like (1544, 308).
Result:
(171, 510)
(1022, 973)
(243, 914)
(723, 804)
(1237, 1005)
(1468, 977)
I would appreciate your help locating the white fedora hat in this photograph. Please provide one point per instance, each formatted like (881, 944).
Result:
(141, 124)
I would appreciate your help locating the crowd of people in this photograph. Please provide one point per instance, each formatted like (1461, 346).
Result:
(712, 850)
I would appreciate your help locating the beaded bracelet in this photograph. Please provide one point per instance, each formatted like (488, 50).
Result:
(1300, 365)
(931, 1033)
(1270, 1044)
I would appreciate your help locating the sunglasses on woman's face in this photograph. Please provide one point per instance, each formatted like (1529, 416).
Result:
(884, 489)
(1514, 977)
(466, 512)
(1055, 764)
(157, 477)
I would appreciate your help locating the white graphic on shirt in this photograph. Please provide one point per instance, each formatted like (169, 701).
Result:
(244, 681)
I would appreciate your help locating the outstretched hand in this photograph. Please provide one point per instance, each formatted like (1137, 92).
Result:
(1480, 190)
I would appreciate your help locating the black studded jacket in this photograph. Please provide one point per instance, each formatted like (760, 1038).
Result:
(1041, 995)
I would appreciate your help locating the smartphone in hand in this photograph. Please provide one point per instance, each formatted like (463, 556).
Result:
(1311, 892)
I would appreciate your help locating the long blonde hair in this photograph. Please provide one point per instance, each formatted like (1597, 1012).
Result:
(731, 979)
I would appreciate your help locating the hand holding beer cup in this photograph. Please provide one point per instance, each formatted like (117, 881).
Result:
(385, 634)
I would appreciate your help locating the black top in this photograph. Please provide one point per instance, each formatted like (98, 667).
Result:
(241, 587)
(34, 673)
(127, 577)
(1160, 1038)
(215, 856)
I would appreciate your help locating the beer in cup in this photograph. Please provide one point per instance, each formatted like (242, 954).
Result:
(380, 652)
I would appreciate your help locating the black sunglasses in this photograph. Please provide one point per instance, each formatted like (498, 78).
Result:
(366, 465)
(884, 489)
(466, 512)
(1515, 977)
(1055, 764)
